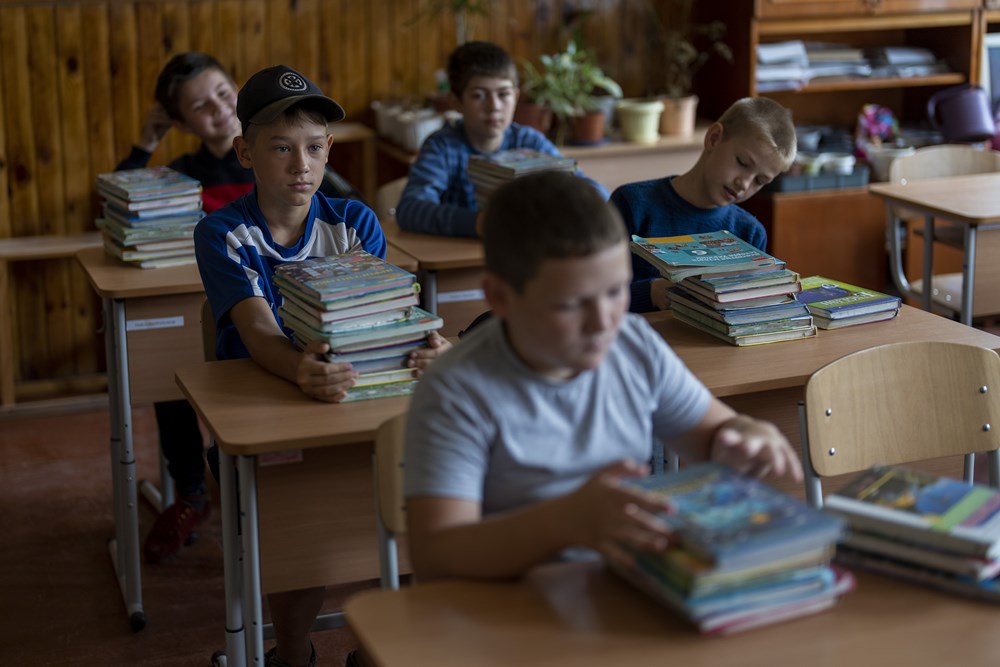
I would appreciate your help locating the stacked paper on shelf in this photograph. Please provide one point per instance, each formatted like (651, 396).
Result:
(920, 527)
(365, 309)
(725, 287)
(488, 172)
(834, 303)
(148, 216)
(748, 555)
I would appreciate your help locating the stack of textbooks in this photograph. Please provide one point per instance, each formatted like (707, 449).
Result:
(488, 172)
(148, 216)
(365, 309)
(834, 304)
(920, 527)
(748, 555)
(724, 286)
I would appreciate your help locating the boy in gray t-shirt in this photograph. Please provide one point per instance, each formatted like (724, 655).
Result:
(517, 438)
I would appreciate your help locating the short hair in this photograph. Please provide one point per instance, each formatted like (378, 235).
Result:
(764, 118)
(549, 215)
(300, 112)
(478, 59)
(179, 70)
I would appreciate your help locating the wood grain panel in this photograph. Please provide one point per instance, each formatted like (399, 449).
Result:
(21, 141)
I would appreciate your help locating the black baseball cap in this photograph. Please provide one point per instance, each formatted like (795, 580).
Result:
(270, 91)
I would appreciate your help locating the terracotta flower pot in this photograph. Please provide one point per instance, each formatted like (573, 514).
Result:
(678, 115)
(538, 116)
(587, 129)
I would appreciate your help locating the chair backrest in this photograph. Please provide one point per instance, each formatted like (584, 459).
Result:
(944, 160)
(207, 331)
(390, 505)
(387, 198)
(900, 403)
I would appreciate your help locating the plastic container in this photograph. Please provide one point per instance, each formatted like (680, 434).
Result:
(823, 181)
(415, 126)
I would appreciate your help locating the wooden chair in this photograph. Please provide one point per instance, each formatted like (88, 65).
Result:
(900, 403)
(390, 505)
(946, 295)
(387, 198)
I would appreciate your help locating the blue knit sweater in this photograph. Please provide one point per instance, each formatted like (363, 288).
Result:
(653, 208)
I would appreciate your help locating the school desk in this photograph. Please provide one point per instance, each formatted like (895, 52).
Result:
(580, 614)
(152, 322)
(451, 270)
(308, 469)
(306, 496)
(969, 201)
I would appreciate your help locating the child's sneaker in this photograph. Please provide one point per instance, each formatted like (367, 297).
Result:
(174, 528)
(272, 660)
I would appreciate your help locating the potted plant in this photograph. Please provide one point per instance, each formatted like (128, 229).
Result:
(684, 47)
(570, 84)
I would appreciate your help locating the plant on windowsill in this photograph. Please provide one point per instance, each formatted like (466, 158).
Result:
(684, 47)
(570, 84)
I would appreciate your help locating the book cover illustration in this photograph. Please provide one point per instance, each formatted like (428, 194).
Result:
(726, 518)
(834, 298)
(924, 507)
(678, 257)
(147, 183)
(350, 273)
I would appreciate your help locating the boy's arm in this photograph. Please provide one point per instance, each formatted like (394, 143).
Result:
(420, 208)
(154, 128)
(272, 351)
(750, 446)
(449, 537)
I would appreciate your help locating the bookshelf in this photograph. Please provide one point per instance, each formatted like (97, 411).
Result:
(800, 224)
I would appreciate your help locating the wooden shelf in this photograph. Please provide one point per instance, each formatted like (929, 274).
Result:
(837, 84)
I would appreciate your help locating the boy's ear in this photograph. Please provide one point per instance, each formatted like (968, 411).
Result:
(497, 294)
(242, 148)
(713, 137)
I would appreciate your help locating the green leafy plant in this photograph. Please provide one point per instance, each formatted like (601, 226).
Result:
(460, 9)
(684, 45)
(569, 83)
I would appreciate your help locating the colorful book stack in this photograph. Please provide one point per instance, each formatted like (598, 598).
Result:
(724, 286)
(488, 172)
(149, 215)
(365, 309)
(920, 527)
(748, 555)
(834, 304)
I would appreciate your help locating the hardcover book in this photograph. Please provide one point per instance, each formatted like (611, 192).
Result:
(922, 508)
(805, 329)
(966, 566)
(866, 318)
(730, 520)
(835, 299)
(349, 274)
(146, 183)
(518, 162)
(416, 326)
(786, 307)
(716, 253)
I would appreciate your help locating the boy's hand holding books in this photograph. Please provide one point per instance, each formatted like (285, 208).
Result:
(321, 379)
(754, 447)
(422, 357)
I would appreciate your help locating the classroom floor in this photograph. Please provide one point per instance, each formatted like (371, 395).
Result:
(62, 605)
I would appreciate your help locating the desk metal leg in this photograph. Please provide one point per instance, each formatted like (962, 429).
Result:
(124, 548)
(429, 290)
(893, 228)
(249, 538)
(928, 263)
(968, 274)
(232, 555)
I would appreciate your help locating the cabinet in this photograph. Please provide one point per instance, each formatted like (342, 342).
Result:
(952, 29)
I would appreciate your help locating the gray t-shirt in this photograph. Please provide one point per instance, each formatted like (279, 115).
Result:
(482, 426)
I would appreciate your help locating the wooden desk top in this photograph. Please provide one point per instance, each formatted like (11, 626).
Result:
(435, 253)
(579, 615)
(730, 370)
(250, 411)
(971, 200)
(347, 132)
(114, 279)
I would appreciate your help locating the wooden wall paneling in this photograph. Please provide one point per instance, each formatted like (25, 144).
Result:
(255, 42)
(379, 46)
(72, 113)
(125, 91)
(226, 35)
(176, 38)
(6, 213)
(346, 51)
(403, 46)
(19, 126)
(303, 35)
(521, 17)
(278, 34)
(43, 69)
(151, 55)
(204, 26)
(427, 47)
(94, 102)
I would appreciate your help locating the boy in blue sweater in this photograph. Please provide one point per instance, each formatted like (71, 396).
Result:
(751, 144)
(439, 198)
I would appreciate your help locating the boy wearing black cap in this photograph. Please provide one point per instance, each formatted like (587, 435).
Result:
(286, 142)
